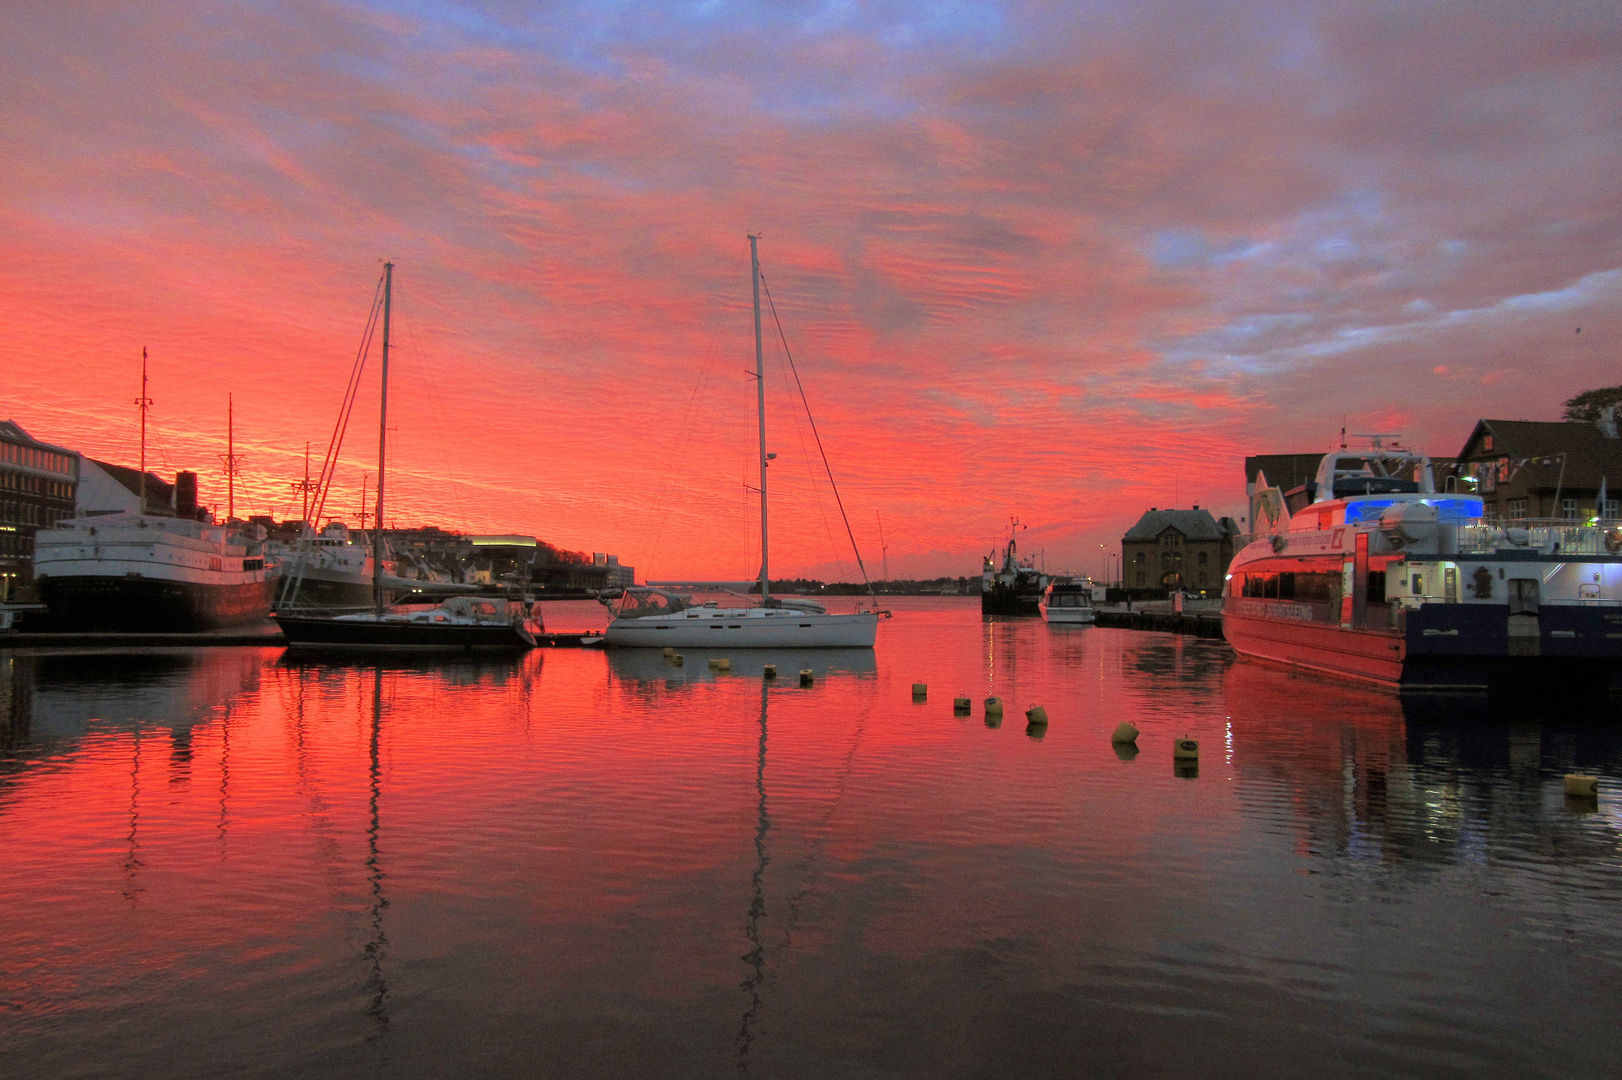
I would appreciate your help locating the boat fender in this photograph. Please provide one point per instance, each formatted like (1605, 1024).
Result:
(920, 691)
(1613, 540)
(1279, 543)
(1124, 733)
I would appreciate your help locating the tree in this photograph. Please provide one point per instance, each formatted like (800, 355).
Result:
(1586, 406)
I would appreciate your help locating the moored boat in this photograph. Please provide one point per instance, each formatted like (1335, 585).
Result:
(1015, 587)
(1381, 578)
(1068, 601)
(460, 624)
(655, 618)
(134, 572)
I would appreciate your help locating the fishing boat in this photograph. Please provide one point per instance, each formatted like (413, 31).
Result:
(1068, 601)
(460, 624)
(1013, 587)
(658, 618)
(140, 571)
(1379, 577)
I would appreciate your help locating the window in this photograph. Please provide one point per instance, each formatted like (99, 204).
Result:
(1486, 442)
(1140, 577)
(1517, 508)
(1205, 558)
(1610, 509)
(1568, 508)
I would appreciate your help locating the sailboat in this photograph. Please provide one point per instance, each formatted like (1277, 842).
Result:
(655, 618)
(460, 624)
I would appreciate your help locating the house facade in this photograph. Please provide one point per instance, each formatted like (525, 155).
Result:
(1169, 550)
(1527, 469)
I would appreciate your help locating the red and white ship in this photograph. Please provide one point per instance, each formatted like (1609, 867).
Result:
(1379, 577)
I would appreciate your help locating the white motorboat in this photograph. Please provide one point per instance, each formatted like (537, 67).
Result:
(1068, 601)
(654, 618)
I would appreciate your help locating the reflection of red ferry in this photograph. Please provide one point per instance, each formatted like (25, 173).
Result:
(1378, 577)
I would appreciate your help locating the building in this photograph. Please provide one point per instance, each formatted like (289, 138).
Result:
(38, 483)
(1535, 469)
(1287, 472)
(1177, 549)
(618, 577)
(105, 488)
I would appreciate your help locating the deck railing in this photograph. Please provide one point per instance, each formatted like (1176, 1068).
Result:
(1561, 536)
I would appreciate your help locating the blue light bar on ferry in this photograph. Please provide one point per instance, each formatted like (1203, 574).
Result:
(1449, 509)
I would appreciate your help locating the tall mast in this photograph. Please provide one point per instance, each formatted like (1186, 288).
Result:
(760, 393)
(145, 403)
(382, 445)
(230, 457)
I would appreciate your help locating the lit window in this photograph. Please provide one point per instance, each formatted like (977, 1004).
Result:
(1568, 508)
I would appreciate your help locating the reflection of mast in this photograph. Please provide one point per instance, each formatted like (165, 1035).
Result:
(375, 948)
(756, 956)
(132, 859)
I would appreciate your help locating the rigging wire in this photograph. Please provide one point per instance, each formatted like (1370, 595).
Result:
(816, 435)
(329, 464)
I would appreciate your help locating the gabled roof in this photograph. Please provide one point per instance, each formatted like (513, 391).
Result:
(158, 490)
(1282, 470)
(1193, 524)
(12, 430)
(1587, 453)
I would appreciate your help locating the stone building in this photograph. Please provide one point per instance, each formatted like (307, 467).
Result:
(1177, 549)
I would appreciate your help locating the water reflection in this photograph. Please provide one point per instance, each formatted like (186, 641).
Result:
(234, 863)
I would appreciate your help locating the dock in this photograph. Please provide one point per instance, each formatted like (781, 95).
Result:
(1198, 619)
(265, 637)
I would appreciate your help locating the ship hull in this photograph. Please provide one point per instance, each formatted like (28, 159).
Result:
(855, 631)
(1000, 599)
(1067, 615)
(97, 604)
(314, 633)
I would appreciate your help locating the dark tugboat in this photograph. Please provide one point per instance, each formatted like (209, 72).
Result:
(1014, 588)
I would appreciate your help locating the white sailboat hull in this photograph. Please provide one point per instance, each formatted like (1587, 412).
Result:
(746, 628)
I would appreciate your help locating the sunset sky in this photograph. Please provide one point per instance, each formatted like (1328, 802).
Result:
(1063, 261)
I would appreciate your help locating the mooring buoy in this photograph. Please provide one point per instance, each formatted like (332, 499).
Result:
(769, 671)
(961, 704)
(806, 677)
(1579, 784)
(1036, 716)
(1186, 749)
(920, 691)
(993, 706)
(1124, 733)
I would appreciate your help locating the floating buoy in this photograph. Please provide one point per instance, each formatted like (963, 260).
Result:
(1186, 749)
(770, 671)
(1578, 784)
(961, 704)
(806, 677)
(1036, 716)
(993, 706)
(714, 663)
(1124, 733)
(669, 652)
(678, 659)
(920, 691)
(725, 664)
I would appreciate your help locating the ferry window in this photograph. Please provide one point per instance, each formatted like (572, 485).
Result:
(1375, 593)
(1419, 585)
(1286, 586)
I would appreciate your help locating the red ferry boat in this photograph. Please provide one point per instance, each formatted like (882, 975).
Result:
(1379, 577)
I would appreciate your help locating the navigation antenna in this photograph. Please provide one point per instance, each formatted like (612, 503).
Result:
(233, 460)
(144, 403)
(306, 485)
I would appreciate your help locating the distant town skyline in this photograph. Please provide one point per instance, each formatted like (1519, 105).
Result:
(1056, 261)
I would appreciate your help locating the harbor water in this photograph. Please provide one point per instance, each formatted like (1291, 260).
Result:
(233, 862)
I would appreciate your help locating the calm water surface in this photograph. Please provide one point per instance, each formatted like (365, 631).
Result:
(224, 862)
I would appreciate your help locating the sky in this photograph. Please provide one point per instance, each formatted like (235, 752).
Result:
(1054, 261)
